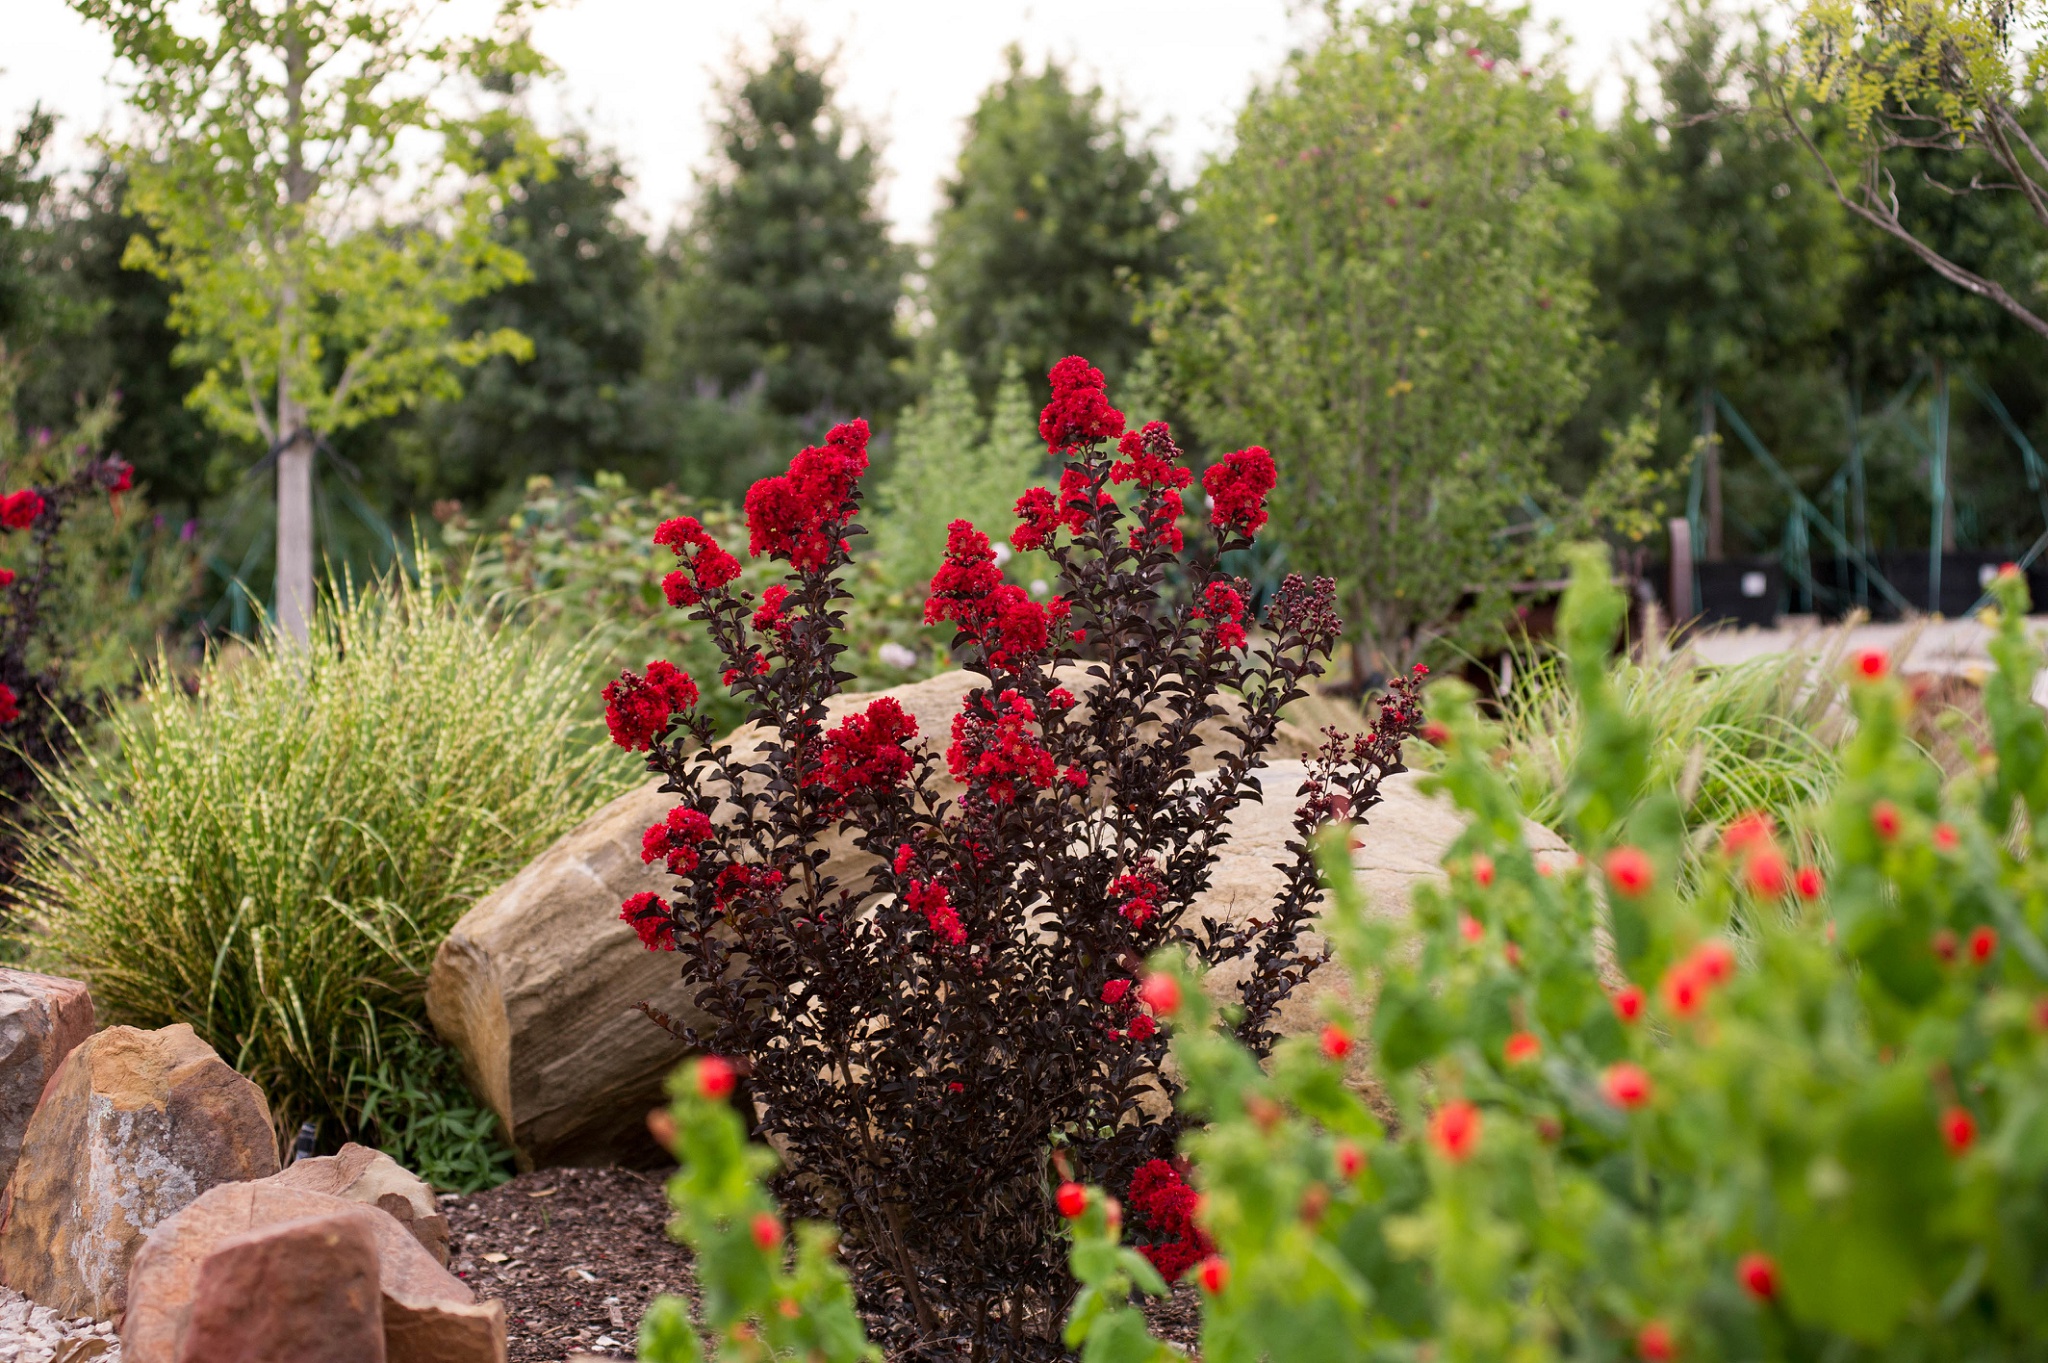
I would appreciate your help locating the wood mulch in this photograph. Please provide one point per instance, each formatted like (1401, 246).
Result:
(577, 1255)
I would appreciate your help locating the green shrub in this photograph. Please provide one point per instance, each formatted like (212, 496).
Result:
(1814, 1126)
(275, 858)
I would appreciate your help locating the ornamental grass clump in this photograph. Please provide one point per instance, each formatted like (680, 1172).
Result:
(275, 856)
(924, 1035)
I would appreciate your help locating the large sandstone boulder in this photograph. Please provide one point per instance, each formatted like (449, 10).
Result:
(134, 1126)
(356, 1173)
(428, 1315)
(536, 985)
(41, 1018)
(1400, 845)
(301, 1291)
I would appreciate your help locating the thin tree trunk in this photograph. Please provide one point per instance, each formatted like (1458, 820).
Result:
(295, 529)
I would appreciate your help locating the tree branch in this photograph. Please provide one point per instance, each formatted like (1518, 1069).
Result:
(1887, 221)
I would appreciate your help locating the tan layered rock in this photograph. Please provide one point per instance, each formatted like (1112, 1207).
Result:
(428, 1315)
(356, 1173)
(41, 1018)
(1401, 845)
(134, 1126)
(301, 1291)
(536, 986)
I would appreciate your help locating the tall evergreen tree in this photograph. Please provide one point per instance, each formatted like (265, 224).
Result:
(564, 409)
(788, 277)
(1057, 216)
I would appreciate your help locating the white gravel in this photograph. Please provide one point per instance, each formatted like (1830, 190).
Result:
(36, 1334)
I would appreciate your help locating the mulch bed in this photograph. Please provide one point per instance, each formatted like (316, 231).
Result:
(584, 1253)
(577, 1255)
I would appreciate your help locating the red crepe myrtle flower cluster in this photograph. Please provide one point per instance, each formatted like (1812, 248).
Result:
(1223, 605)
(1165, 1206)
(1237, 490)
(18, 510)
(1079, 411)
(1151, 460)
(637, 709)
(788, 515)
(1136, 893)
(929, 898)
(1000, 616)
(996, 747)
(649, 916)
(675, 840)
(1038, 518)
(771, 615)
(867, 751)
(744, 883)
(10, 704)
(1123, 1003)
(706, 566)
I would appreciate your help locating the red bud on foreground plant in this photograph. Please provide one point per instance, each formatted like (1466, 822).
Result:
(917, 1033)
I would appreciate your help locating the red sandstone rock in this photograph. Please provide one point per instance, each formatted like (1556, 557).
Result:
(133, 1126)
(300, 1291)
(41, 1018)
(359, 1174)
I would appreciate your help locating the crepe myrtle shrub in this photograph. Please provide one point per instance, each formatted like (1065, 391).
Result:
(1780, 1112)
(921, 1035)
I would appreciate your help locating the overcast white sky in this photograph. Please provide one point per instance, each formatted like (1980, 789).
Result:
(640, 72)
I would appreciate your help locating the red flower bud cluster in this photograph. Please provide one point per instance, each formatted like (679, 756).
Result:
(1165, 1206)
(742, 882)
(648, 913)
(676, 839)
(867, 751)
(788, 514)
(18, 510)
(1037, 519)
(1149, 460)
(1000, 616)
(996, 748)
(1079, 412)
(706, 566)
(637, 709)
(1237, 490)
(1222, 604)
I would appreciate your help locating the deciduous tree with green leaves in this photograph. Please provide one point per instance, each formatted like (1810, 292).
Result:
(1392, 304)
(314, 258)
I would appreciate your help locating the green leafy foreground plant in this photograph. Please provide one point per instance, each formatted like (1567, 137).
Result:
(1779, 1118)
